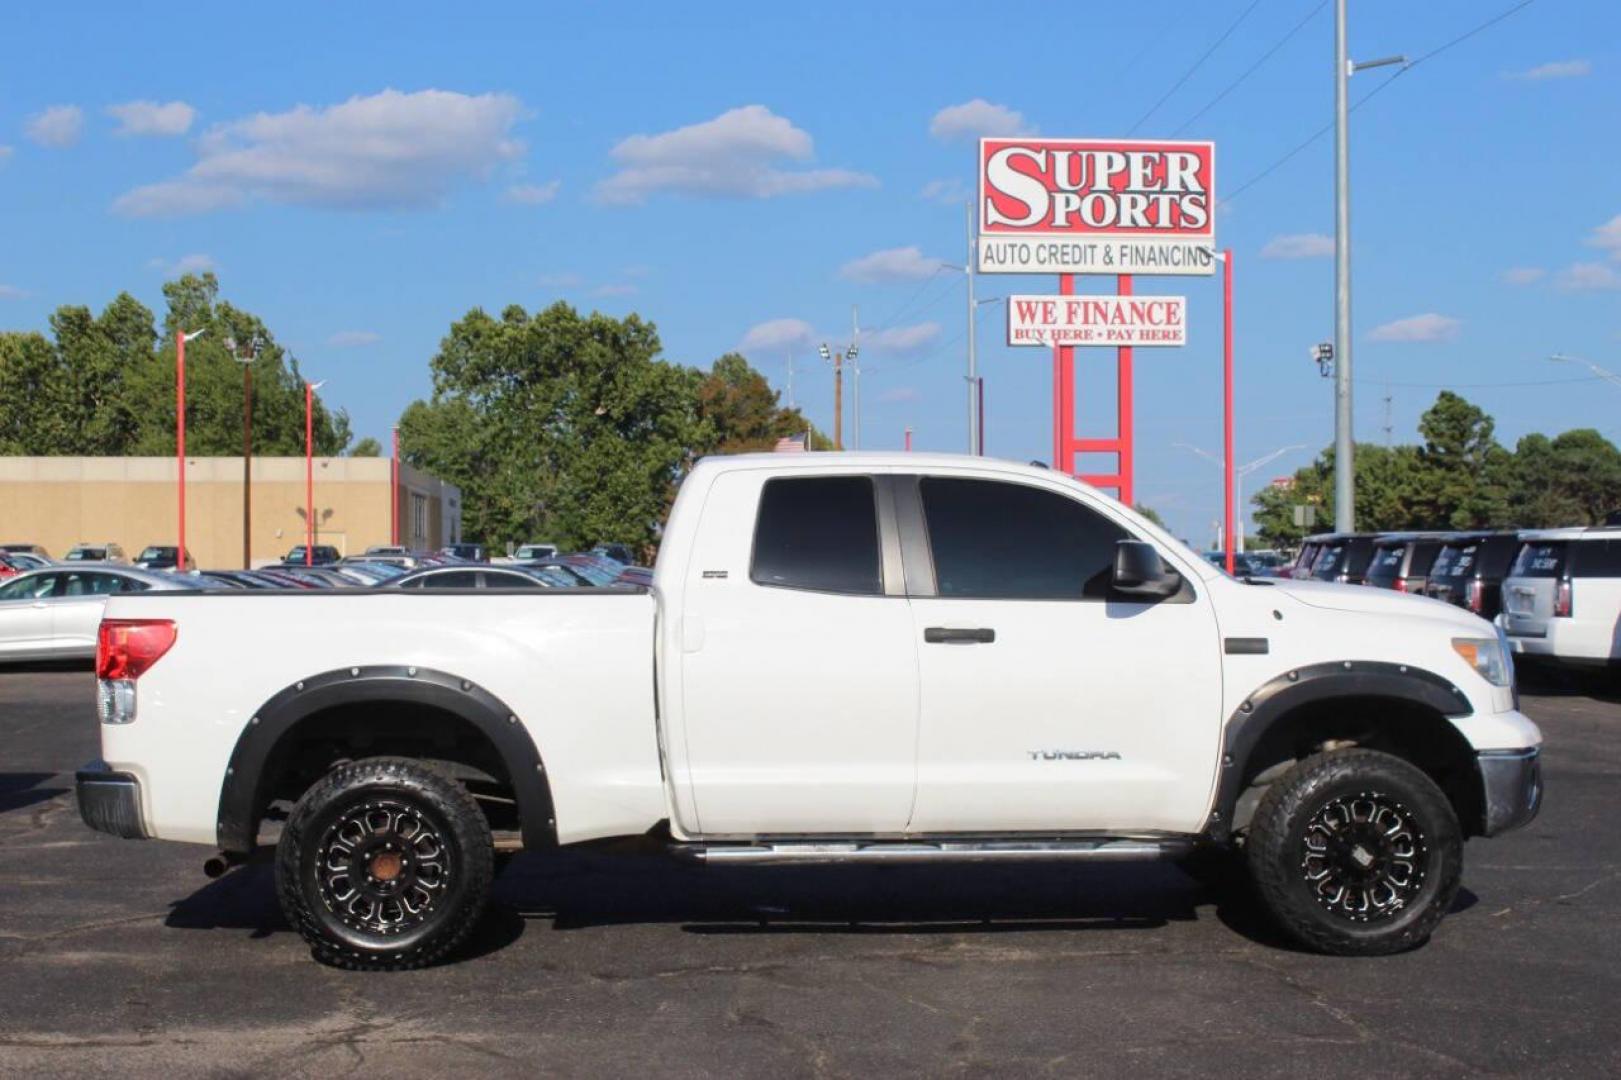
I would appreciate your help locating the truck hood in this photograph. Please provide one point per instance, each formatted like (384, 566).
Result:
(1369, 600)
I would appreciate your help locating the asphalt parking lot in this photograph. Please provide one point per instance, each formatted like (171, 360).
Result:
(120, 955)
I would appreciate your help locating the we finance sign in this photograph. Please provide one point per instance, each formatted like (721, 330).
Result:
(1096, 206)
(1097, 320)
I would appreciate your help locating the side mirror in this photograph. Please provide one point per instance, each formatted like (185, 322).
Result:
(1139, 571)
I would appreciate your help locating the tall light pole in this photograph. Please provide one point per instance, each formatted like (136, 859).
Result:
(1344, 451)
(974, 434)
(855, 335)
(180, 339)
(1239, 472)
(246, 360)
(394, 492)
(309, 470)
(1608, 376)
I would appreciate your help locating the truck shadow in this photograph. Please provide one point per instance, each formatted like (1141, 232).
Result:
(575, 891)
(20, 789)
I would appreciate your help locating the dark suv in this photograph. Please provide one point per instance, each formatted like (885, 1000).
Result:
(1342, 557)
(1402, 561)
(321, 555)
(1469, 569)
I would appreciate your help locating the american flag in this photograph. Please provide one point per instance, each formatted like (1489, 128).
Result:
(792, 445)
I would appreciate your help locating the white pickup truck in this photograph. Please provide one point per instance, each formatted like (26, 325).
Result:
(890, 658)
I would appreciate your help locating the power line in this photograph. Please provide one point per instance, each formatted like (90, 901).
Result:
(1478, 385)
(910, 300)
(1188, 74)
(1365, 98)
(1264, 57)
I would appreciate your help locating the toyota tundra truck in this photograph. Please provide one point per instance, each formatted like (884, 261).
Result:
(843, 658)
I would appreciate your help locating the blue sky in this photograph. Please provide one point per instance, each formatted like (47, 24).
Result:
(362, 174)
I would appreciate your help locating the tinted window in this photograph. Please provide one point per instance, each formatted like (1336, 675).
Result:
(1540, 558)
(817, 532)
(1015, 542)
(30, 588)
(1455, 561)
(1597, 558)
(1328, 560)
(87, 555)
(452, 579)
(495, 580)
(1386, 564)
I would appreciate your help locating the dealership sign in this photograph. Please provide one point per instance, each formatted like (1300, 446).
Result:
(1096, 206)
(1097, 320)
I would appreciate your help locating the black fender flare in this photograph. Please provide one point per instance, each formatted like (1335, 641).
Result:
(1270, 704)
(241, 793)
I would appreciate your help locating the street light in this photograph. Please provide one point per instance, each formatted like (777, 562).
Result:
(247, 441)
(309, 470)
(180, 339)
(1239, 472)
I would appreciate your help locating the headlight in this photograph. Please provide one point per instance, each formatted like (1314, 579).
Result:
(1487, 656)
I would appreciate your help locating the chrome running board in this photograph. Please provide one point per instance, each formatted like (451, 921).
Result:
(808, 853)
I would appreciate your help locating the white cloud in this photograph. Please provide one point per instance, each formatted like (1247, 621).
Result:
(354, 339)
(11, 292)
(5, 152)
(615, 288)
(901, 339)
(563, 280)
(1608, 237)
(977, 118)
(390, 150)
(777, 334)
(947, 192)
(533, 194)
(1298, 246)
(736, 155)
(891, 264)
(1524, 275)
(150, 118)
(1585, 277)
(1557, 69)
(57, 126)
(1426, 327)
(187, 264)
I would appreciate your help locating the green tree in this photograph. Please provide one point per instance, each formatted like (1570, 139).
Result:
(1464, 473)
(1572, 479)
(557, 425)
(744, 412)
(1150, 513)
(367, 447)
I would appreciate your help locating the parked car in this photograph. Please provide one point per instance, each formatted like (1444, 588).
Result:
(466, 552)
(322, 576)
(1562, 596)
(641, 576)
(483, 577)
(1469, 569)
(160, 557)
(52, 614)
(1349, 738)
(28, 560)
(9, 566)
(370, 572)
(619, 553)
(1243, 564)
(26, 549)
(243, 579)
(1343, 557)
(107, 553)
(533, 552)
(591, 569)
(321, 556)
(1402, 561)
(1299, 568)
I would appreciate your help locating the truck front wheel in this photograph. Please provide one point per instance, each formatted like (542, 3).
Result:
(384, 864)
(1356, 853)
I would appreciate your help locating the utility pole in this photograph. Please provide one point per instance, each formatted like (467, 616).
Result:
(855, 365)
(837, 360)
(1390, 428)
(790, 378)
(247, 443)
(1344, 466)
(973, 366)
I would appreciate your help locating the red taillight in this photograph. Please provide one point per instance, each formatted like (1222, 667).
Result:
(1561, 601)
(1400, 584)
(1476, 596)
(125, 648)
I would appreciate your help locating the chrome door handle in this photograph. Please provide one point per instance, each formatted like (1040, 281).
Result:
(951, 635)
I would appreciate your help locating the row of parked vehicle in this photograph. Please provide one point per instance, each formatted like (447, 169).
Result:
(1555, 593)
(50, 610)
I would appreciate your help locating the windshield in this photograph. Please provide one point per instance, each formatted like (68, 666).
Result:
(1540, 558)
(84, 554)
(157, 553)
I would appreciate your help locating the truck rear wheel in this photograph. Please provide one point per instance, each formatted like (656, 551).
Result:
(1356, 853)
(384, 864)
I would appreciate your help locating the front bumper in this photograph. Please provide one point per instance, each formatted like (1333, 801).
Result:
(1511, 782)
(109, 801)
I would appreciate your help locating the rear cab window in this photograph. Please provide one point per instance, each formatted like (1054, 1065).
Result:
(1540, 558)
(1386, 564)
(1327, 562)
(1455, 560)
(818, 533)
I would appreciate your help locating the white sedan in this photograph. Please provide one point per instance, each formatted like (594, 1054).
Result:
(52, 614)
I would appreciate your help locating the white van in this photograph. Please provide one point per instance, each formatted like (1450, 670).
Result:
(1562, 596)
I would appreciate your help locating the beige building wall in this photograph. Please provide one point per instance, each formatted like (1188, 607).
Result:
(61, 501)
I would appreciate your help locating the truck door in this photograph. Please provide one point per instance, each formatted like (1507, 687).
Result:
(1047, 702)
(799, 699)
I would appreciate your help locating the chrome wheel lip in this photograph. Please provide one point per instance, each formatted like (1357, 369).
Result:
(1363, 856)
(368, 837)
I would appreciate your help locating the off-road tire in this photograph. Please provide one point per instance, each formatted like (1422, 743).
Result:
(423, 826)
(1317, 790)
